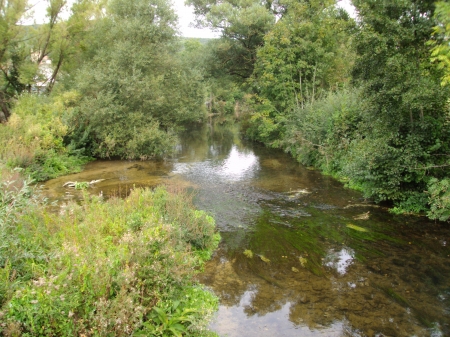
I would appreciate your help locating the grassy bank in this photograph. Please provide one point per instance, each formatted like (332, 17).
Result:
(120, 267)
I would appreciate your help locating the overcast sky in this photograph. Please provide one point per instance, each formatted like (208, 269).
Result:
(185, 17)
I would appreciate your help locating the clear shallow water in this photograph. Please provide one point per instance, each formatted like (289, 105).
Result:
(325, 262)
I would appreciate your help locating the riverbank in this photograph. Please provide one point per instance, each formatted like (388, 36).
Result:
(121, 267)
(337, 136)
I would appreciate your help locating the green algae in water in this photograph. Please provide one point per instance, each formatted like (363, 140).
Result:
(395, 296)
(420, 315)
(248, 253)
(357, 228)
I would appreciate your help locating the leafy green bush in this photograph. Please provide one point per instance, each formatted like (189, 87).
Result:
(34, 137)
(261, 122)
(120, 267)
(320, 134)
(439, 199)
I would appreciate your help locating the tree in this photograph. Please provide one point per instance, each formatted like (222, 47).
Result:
(24, 48)
(441, 49)
(11, 11)
(304, 55)
(403, 138)
(135, 90)
(243, 24)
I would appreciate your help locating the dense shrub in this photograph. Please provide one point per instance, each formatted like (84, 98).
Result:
(339, 135)
(33, 138)
(112, 268)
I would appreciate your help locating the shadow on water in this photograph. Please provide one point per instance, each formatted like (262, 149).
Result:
(300, 254)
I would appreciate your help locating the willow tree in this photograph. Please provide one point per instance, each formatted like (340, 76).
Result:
(135, 90)
(305, 54)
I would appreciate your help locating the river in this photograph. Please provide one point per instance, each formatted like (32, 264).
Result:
(300, 254)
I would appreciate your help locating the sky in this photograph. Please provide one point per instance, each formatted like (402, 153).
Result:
(185, 17)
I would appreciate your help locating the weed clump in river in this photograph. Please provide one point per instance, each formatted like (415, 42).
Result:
(117, 268)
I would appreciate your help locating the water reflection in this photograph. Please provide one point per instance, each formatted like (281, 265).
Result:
(239, 165)
(341, 260)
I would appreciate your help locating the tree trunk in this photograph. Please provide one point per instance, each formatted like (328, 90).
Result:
(4, 110)
(55, 73)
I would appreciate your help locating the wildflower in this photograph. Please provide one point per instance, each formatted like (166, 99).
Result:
(34, 301)
(70, 314)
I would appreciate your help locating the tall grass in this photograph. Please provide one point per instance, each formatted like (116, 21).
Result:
(117, 268)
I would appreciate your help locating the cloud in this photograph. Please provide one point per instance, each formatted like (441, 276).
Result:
(186, 19)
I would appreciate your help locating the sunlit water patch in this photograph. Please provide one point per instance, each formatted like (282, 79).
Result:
(239, 165)
(340, 260)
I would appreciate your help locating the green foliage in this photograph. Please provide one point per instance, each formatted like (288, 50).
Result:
(196, 227)
(242, 24)
(181, 317)
(23, 247)
(10, 34)
(320, 134)
(403, 133)
(304, 55)
(441, 50)
(393, 62)
(134, 89)
(439, 199)
(261, 121)
(34, 138)
(168, 323)
(33, 56)
(411, 202)
(141, 281)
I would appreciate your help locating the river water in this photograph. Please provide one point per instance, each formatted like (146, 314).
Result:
(300, 254)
